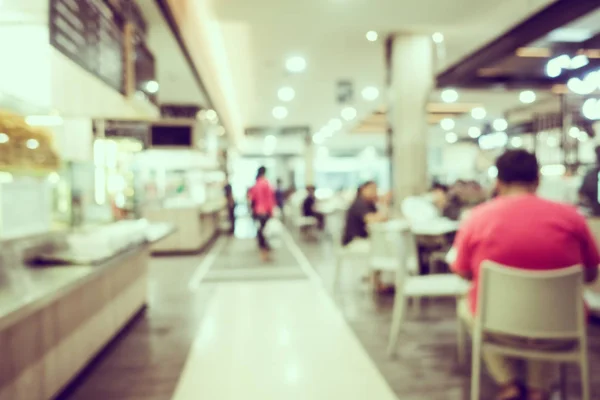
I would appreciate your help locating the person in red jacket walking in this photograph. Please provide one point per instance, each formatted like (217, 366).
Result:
(262, 198)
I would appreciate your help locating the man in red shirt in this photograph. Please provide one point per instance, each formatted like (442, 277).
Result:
(521, 230)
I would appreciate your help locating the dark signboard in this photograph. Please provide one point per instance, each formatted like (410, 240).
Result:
(188, 111)
(128, 129)
(90, 33)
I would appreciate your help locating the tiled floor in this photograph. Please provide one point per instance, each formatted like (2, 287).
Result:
(148, 359)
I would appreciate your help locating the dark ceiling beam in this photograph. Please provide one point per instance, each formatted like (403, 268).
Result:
(165, 10)
(509, 82)
(556, 15)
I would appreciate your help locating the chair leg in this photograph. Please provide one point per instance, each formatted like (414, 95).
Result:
(461, 338)
(476, 367)
(337, 273)
(563, 381)
(585, 376)
(397, 317)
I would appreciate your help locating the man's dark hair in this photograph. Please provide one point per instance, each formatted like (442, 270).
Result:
(261, 172)
(364, 185)
(518, 166)
(439, 186)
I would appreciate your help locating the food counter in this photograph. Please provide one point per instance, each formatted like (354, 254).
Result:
(196, 226)
(54, 320)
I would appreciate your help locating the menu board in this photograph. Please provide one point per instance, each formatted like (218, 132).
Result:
(91, 34)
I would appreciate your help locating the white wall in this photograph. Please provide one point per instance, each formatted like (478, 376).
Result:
(77, 93)
(25, 64)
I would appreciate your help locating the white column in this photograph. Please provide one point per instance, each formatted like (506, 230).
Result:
(411, 84)
(309, 162)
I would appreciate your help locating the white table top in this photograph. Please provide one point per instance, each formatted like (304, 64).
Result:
(435, 227)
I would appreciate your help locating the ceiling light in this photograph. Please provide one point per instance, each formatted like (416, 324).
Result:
(4, 138)
(579, 61)
(493, 141)
(44, 120)
(286, 94)
(516, 142)
(591, 109)
(151, 87)
(478, 113)
(295, 64)
(447, 124)
(32, 144)
(280, 112)
(349, 113)
(335, 124)
(438, 37)
(583, 136)
(372, 36)
(500, 124)
(474, 132)
(581, 87)
(555, 66)
(449, 96)
(211, 115)
(527, 96)
(451, 137)
(370, 93)
(574, 132)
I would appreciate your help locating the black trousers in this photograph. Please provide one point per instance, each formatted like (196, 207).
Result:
(320, 219)
(260, 235)
(231, 212)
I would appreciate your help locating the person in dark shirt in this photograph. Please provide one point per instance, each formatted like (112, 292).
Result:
(589, 188)
(308, 208)
(280, 197)
(362, 212)
(230, 206)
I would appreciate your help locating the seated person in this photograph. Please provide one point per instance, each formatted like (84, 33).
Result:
(521, 230)
(308, 207)
(363, 211)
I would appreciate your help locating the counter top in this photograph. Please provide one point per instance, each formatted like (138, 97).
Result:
(30, 289)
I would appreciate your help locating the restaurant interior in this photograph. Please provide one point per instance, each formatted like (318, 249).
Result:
(145, 146)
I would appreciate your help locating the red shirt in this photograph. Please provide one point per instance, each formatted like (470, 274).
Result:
(262, 197)
(525, 232)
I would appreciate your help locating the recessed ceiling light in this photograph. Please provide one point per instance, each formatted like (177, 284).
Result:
(335, 124)
(478, 113)
(447, 124)
(438, 37)
(295, 64)
(500, 125)
(574, 132)
(4, 138)
(527, 96)
(32, 144)
(152, 87)
(449, 96)
(474, 132)
(451, 137)
(370, 93)
(349, 113)
(211, 115)
(516, 142)
(286, 94)
(591, 109)
(280, 112)
(372, 36)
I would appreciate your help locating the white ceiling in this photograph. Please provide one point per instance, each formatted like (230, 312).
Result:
(330, 34)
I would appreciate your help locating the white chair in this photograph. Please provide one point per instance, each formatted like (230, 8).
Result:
(408, 285)
(542, 305)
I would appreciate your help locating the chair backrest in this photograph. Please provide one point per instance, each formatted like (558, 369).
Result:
(531, 304)
(393, 240)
